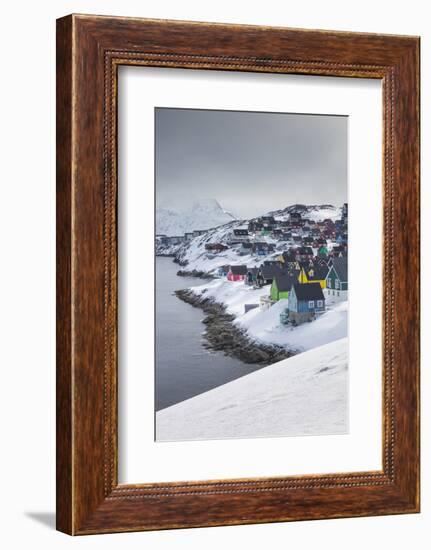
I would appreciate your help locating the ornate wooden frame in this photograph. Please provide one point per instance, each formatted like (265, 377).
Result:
(89, 51)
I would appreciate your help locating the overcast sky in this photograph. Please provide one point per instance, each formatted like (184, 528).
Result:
(250, 162)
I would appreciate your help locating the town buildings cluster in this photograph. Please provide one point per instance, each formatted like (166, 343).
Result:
(304, 262)
(311, 269)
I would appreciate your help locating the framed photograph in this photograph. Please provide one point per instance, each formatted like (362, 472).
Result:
(237, 274)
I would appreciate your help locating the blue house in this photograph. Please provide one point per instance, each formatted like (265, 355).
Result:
(262, 248)
(305, 301)
(223, 270)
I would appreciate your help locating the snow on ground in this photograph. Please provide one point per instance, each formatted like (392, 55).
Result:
(303, 395)
(324, 213)
(233, 295)
(265, 326)
(196, 257)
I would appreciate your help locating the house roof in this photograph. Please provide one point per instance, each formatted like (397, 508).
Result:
(289, 256)
(304, 264)
(319, 272)
(272, 262)
(340, 267)
(308, 291)
(269, 271)
(284, 282)
(238, 269)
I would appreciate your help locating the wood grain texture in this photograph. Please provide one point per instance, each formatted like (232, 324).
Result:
(64, 497)
(90, 49)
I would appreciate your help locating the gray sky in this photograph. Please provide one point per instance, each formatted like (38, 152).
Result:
(250, 162)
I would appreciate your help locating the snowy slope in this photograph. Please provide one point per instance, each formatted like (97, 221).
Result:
(195, 257)
(203, 214)
(265, 326)
(310, 212)
(303, 395)
(233, 295)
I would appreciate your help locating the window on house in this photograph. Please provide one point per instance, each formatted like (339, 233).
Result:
(329, 283)
(337, 283)
(319, 303)
(311, 304)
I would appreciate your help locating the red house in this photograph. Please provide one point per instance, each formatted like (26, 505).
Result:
(237, 273)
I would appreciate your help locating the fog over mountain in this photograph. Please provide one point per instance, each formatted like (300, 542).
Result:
(251, 162)
(202, 214)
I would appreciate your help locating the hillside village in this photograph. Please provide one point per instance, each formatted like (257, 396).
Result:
(294, 259)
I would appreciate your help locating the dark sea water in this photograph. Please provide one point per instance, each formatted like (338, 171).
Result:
(184, 368)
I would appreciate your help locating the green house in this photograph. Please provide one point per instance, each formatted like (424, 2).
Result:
(336, 280)
(323, 251)
(280, 287)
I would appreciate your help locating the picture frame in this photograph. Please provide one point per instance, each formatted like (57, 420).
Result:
(89, 51)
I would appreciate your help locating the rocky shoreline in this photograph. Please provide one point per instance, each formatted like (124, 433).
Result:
(195, 273)
(222, 335)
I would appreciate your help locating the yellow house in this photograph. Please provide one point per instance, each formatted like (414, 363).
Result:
(313, 275)
(294, 264)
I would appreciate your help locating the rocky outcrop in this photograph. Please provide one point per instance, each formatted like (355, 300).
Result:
(222, 335)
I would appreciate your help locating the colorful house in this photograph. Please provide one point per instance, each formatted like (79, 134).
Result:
(251, 277)
(267, 273)
(255, 226)
(305, 302)
(237, 273)
(323, 251)
(304, 253)
(314, 274)
(337, 283)
(322, 260)
(241, 232)
(262, 248)
(223, 270)
(337, 251)
(281, 286)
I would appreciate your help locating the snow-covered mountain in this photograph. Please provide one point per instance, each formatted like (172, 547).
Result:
(203, 214)
(303, 395)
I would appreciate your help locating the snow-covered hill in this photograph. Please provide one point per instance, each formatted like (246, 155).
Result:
(193, 254)
(303, 395)
(203, 214)
(265, 327)
(313, 212)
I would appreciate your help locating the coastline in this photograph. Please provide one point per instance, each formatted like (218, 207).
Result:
(195, 273)
(222, 335)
